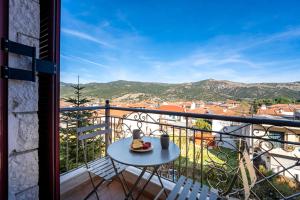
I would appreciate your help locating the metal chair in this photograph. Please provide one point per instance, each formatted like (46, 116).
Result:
(248, 175)
(185, 188)
(102, 167)
(249, 167)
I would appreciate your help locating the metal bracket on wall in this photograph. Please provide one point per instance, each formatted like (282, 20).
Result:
(37, 65)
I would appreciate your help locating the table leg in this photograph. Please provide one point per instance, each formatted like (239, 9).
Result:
(152, 174)
(136, 182)
(125, 188)
(126, 185)
(162, 185)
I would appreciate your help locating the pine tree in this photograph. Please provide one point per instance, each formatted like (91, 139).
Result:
(80, 117)
(73, 120)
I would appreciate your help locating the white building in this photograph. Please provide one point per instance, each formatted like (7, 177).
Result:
(228, 127)
(278, 154)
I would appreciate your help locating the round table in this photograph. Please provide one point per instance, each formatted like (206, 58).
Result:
(120, 152)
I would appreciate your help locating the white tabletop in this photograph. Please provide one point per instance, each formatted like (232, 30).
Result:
(120, 152)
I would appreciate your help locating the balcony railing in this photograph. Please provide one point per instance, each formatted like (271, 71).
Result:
(209, 154)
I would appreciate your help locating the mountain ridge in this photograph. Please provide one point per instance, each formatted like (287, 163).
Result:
(208, 90)
(182, 82)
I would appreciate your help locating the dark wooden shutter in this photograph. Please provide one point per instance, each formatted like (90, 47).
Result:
(49, 101)
(3, 106)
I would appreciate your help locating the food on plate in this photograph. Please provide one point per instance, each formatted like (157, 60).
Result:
(146, 145)
(137, 144)
(140, 144)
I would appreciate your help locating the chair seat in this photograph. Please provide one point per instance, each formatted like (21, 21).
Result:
(186, 189)
(103, 168)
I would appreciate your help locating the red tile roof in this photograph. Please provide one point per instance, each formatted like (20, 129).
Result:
(277, 109)
(172, 108)
(218, 110)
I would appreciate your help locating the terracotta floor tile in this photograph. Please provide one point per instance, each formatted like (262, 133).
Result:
(111, 191)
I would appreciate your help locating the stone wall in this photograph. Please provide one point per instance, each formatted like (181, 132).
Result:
(24, 27)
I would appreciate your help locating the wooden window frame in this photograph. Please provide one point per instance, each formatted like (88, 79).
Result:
(49, 184)
(3, 105)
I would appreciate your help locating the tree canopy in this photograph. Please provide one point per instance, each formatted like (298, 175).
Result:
(203, 124)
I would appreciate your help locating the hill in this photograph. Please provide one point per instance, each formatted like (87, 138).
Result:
(208, 90)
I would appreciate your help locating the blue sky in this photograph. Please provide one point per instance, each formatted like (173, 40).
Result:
(180, 41)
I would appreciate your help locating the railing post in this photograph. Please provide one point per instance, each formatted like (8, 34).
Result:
(107, 125)
(201, 170)
(186, 145)
(77, 145)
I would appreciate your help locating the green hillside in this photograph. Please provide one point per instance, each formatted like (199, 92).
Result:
(208, 90)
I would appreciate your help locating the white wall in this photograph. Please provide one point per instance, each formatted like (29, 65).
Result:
(278, 155)
(228, 127)
(276, 167)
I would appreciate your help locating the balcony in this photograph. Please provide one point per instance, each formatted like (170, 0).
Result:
(208, 155)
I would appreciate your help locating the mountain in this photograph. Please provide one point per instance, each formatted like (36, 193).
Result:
(208, 90)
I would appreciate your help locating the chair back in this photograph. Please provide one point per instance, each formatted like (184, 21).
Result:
(245, 172)
(248, 173)
(90, 132)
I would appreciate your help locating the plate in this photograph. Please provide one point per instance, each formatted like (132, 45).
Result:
(141, 150)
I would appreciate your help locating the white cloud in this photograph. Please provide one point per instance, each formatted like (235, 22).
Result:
(85, 36)
(136, 57)
(263, 40)
(122, 17)
(75, 58)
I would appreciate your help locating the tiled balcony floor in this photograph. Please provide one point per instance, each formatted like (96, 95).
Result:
(112, 191)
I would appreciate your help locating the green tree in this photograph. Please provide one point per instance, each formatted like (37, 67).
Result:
(68, 137)
(283, 100)
(81, 117)
(278, 100)
(244, 107)
(254, 107)
(203, 124)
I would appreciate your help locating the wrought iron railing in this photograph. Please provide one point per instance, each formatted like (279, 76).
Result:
(209, 154)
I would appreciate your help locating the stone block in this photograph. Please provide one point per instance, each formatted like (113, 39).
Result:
(28, 194)
(22, 96)
(24, 17)
(23, 168)
(23, 172)
(24, 27)
(23, 132)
